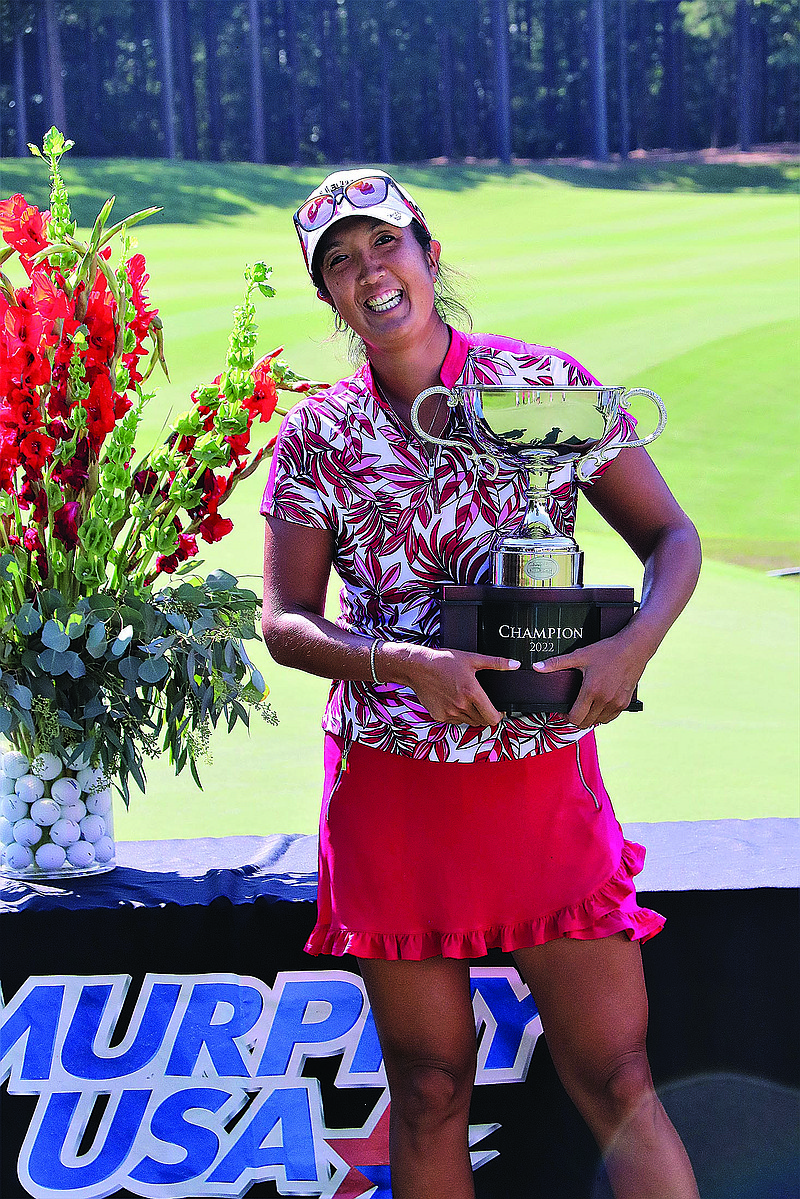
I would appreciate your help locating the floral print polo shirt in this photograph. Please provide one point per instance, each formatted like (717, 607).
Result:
(406, 516)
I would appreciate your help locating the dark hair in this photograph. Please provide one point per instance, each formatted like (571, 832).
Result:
(447, 303)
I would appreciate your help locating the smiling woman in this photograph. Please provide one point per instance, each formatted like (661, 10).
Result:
(448, 829)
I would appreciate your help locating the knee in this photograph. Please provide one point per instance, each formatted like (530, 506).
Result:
(427, 1094)
(628, 1085)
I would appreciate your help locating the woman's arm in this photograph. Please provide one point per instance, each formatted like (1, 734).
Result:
(297, 566)
(634, 499)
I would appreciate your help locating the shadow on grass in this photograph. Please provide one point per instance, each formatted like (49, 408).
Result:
(195, 192)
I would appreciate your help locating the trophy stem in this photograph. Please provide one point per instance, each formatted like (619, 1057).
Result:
(536, 554)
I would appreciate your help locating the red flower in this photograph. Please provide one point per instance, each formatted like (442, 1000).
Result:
(99, 404)
(65, 524)
(265, 396)
(23, 226)
(34, 450)
(238, 443)
(215, 527)
(144, 482)
(75, 472)
(187, 548)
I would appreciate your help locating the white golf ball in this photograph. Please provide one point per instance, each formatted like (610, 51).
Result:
(50, 857)
(6, 785)
(92, 779)
(65, 832)
(17, 857)
(26, 832)
(65, 791)
(104, 849)
(15, 764)
(81, 854)
(74, 811)
(6, 831)
(99, 802)
(29, 788)
(47, 766)
(13, 808)
(93, 828)
(45, 812)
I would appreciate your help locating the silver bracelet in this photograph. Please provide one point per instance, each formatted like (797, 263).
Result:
(373, 649)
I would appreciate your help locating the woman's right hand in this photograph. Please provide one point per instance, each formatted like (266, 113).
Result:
(443, 680)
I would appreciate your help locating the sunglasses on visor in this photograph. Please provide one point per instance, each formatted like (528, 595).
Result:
(361, 193)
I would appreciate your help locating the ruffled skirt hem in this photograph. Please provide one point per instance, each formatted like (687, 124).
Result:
(612, 908)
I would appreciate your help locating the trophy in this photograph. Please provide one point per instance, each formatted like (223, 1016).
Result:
(536, 605)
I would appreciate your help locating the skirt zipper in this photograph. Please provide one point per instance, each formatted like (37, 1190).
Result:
(344, 766)
(583, 780)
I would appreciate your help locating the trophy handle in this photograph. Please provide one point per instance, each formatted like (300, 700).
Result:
(586, 463)
(662, 415)
(456, 442)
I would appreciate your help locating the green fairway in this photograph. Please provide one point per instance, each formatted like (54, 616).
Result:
(683, 280)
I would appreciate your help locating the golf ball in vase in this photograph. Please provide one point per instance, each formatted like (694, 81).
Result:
(54, 820)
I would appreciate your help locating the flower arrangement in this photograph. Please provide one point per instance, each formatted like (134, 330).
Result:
(113, 647)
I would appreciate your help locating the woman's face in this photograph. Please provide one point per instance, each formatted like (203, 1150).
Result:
(380, 279)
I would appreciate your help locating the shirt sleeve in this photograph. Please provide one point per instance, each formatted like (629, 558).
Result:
(295, 490)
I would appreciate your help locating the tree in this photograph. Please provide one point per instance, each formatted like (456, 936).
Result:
(622, 83)
(502, 88)
(167, 79)
(597, 59)
(258, 145)
(55, 65)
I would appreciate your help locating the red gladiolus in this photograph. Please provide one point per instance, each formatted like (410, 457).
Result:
(215, 527)
(99, 405)
(65, 524)
(23, 226)
(238, 443)
(35, 450)
(187, 548)
(75, 472)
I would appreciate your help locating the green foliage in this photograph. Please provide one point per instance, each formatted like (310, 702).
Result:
(115, 679)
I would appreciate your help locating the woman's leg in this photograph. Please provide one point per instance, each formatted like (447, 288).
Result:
(592, 1001)
(423, 1013)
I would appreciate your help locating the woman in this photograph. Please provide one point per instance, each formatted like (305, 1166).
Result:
(448, 829)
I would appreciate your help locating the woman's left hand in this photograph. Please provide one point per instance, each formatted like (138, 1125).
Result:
(611, 669)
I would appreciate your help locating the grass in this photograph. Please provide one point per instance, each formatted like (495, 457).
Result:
(678, 277)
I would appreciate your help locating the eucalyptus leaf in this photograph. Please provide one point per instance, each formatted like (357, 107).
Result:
(153, 670)
(53, 662)
(66, 721)
(178, 621)
(129, 667)
(74, 625)
(75, 666)
(21, 694)
(220, 580)
(54, 636)
(27, 619)
(5, 720)
(122, 642)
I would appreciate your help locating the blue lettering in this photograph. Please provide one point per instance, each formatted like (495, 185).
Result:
(316, 1012)
(146, 1033)
(506, 1009)
(45, 1165)
(32, 1014)
(169, 1124)
(283, 1118)
(198, 1028)
(367, 1058)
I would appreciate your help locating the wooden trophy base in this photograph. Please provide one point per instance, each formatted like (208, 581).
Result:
(532, 624)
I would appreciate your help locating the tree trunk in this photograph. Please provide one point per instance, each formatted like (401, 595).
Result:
(55, 62)
(257, 142)
(444, 45)
(213, 93)
(673, 71)
(20, 107)
(167, 80)
(743, 82)
(622, 70)
(183, 46)
(331, 84)
(597, 56)
(640, 86)
(502, 89)
(550, 81)
(385, 112)
(295, 110)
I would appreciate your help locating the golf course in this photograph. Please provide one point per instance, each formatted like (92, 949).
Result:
(678, 277)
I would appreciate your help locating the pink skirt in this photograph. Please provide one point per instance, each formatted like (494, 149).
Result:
(422, 859)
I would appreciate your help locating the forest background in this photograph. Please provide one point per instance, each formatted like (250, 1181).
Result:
(676, 269)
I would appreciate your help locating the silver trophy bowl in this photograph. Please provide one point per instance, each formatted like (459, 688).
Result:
(538, 430)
